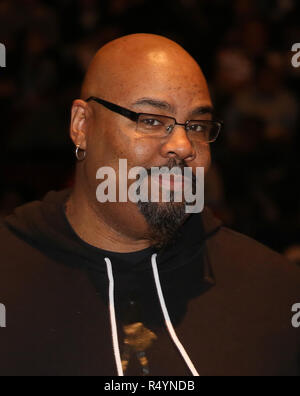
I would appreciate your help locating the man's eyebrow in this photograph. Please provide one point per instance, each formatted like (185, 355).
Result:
(203, 110)
(159, 104)
(163, 105)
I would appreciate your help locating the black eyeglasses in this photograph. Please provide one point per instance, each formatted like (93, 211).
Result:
(155, 125)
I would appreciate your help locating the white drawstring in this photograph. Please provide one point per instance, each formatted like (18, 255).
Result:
(164, 310)
(168, 320)
(113, 318)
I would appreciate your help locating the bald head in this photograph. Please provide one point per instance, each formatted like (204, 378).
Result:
(138, 61)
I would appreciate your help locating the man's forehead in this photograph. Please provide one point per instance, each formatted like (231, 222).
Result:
(163, 87)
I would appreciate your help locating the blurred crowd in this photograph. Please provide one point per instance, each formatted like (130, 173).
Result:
(244, 48)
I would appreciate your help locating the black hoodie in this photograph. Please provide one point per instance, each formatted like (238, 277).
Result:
(213, 303)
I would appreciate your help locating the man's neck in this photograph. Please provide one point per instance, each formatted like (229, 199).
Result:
(94, 230)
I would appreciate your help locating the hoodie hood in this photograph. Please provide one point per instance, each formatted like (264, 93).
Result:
(45, 225)
(184, 266)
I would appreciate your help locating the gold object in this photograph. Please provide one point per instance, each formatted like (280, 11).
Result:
(138, 339)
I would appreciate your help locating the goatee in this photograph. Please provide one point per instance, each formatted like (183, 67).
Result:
(165, 218)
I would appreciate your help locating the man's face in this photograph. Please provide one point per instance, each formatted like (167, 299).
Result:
(157, 84)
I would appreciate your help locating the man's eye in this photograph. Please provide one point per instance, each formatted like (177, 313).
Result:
(152, 122)
(198, 127)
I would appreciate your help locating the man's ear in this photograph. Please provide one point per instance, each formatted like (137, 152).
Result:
(78, 127)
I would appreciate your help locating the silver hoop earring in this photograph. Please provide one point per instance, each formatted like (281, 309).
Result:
(80, 158)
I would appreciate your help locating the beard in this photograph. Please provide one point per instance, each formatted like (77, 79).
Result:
(165, 218)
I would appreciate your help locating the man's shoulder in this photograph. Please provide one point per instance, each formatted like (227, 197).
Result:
(16, 252)
(243, 256)
(245, 247)
(236, 247)
(8, 238)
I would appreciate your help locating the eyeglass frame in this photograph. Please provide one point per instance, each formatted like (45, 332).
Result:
(133, 116)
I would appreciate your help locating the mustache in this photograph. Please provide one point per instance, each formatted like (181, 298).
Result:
(172, 163)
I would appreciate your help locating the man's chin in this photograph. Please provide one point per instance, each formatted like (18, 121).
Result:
(164, 220)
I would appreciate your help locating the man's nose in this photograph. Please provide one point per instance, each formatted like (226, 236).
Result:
(178, 145)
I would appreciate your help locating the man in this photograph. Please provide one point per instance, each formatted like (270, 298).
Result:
(141, 288)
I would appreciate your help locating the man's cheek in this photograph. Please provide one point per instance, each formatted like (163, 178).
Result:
(144, 150)
(203, 159)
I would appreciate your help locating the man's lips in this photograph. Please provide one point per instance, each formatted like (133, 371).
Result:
(171, 182)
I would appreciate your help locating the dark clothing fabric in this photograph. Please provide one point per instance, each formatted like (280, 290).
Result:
(229, 299)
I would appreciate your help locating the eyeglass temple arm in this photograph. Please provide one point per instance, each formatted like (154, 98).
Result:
(115, 108)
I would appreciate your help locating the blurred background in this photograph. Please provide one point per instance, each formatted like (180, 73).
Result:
(244, 48)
